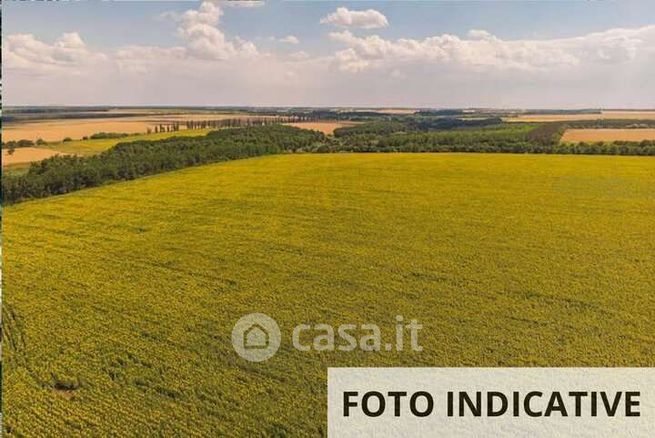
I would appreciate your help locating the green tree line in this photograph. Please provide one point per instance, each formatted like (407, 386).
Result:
(126, 161)
(414, 123)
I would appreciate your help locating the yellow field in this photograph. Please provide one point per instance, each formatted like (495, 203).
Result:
(26, 155)
(594, 135)
(636, 115)
(119, 301)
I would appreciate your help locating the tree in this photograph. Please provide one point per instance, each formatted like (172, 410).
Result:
(24, 143)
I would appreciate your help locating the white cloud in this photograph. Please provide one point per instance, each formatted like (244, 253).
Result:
(611, 68)
(198, 30)
(349, 61)
(478, 34)
(290, 39)
(67, 53)
(299, 56)
(344, 17)
(203, 38)
(139, 59)
(244, 3)
(482, 50)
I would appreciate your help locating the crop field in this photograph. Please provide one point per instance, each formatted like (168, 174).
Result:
(20, 160)
(92, 147)
(119, 301)
(324, 127)
(26, 155)
(604, 115)
(57, 130)
(384, 110)
(593, 135)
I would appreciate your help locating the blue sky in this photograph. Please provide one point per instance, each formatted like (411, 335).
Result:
(109, 24)
(133, 50)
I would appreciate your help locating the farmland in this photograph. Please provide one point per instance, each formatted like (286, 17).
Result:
(324, 127)
(92, 147)
(602, 115)
(26, 155)
(19, 161)
(593, 135)
(57, 130)
(119, 324)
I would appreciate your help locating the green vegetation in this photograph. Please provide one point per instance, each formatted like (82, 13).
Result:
(132, 159)
(92, 147)
(498, 138)
(104, 135)
(611, 124)
(126, 161)
(547, 134)
(15, 169)
(645, 147)
(119, 301)
(18, 144)
(414, 123)
(95, 146)
(372, 128)
(477, 135)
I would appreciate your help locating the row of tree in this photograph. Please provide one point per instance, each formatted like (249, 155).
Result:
(14, 144)
(508, 138)
(611, 124)
(240, 122)
(414, 123)
(126, 161)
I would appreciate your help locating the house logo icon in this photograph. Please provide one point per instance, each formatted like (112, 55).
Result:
(256, 337)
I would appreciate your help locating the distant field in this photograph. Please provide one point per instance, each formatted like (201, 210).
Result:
(91, 147)
(593, 135)
(19, 161)
(324, 127)
(397, 110)
(26, 155)
(57, 130)
(118, 302)
(389, 110)
(637, 115)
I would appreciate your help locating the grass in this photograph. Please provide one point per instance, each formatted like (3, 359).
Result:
(16, 169)
(118, 302)
(92, 147)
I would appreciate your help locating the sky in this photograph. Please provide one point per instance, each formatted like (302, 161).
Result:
(436, 54)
